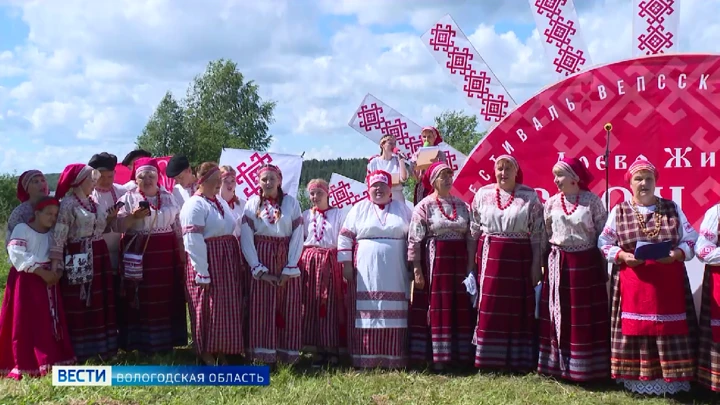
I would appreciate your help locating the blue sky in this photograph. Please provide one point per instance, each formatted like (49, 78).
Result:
(79, 77)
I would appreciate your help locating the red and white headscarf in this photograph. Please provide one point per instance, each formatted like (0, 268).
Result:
(267, 167)
(519, 176)
(207, 175)
(438, 138)
(144, 164)
(577, 171)
(638, 165)
(378, 176)
(432, 173)
(315, 185)
(72, 176)
(24, 182)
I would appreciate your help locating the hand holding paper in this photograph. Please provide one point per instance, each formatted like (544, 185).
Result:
(652, 251)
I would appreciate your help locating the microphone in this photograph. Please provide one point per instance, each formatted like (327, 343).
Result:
(608, 127)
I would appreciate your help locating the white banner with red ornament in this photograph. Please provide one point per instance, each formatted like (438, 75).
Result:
(557, 24)
(346, 192)
(452, 49)
(655, 27)
(375, 119)
(247, 163)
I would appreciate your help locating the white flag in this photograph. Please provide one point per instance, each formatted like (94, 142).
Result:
(467, 69)
(346, 192)
(655, 26)
(247, 163)
(557, 24)
(374, 119)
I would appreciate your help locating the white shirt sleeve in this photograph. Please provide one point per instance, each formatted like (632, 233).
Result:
(192, 220)
(706, 247)
(247, 240)
(296, 242)
(689, 235)
(607, 242)
(346, 239)
(20, 256)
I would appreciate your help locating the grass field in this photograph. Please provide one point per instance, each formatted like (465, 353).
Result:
(336, 386)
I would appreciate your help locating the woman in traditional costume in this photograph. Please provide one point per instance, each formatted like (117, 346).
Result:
(441, 312)
(574, 318)
(33, 332)
(272, 240)
(507, 222)
(31, 187)
(372, 248)
(129, 162)
(227, 193)
(393, 162)
(78, 246)
(430, 137)
(153, 265)
(707, 251)
(323, 284)
(213, 276)
(653, 322)
(107, 194)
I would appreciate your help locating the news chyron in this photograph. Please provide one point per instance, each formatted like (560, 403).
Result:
(98, 376)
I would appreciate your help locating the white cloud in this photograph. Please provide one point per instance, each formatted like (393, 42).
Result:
(90, 73)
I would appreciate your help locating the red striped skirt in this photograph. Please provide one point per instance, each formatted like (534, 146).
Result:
(442, 317)
(645, 358)
(275, 312)
(708, 373)
(216, 311)
(33, 329)
(323, 299)
(575, 341)
(246, 279)
(154, 308)
(93, 329)
(506, 310)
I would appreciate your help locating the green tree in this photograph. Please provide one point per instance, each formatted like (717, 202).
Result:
(459, 130)
(303, 198)
(225, 111)
(165, 133)
(8, 198)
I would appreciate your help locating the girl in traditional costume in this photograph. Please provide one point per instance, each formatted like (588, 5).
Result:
(392, 162)
(372, 247)
(707, 251)
(178, 169)
(507, 222)
(441, 312)
(87, 285)
(323, 283)
(272, 240)
(213, 275)
(653, 322)
(574, 318)
(153, 265)
(33, 333)
(430, 137)
(31, 187)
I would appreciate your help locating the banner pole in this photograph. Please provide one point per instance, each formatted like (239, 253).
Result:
(608, 128)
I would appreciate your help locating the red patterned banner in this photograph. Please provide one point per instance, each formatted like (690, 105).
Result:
(557, 23)
(374, 119)
(655, 26)
(454, 52)
(665, 107)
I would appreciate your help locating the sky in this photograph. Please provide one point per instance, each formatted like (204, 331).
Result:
(79, 77)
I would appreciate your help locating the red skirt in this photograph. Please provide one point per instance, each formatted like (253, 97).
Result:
(216, 311)
(506, 311)
(708, 373)
(442, 317)
(323, 299)
(374, 348)
(575, 341)
(93, 330)
(154, 308)
(33, 329)
(275, 312)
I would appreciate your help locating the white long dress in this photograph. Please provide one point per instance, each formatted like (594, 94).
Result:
(391, 166)
(380, 290)
(106, 199)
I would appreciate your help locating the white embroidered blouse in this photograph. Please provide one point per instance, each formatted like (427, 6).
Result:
(706, 247)
(76, 222)
(167, 218)
(579, 229)
(29, 249)
(452, 221)
(323, 230)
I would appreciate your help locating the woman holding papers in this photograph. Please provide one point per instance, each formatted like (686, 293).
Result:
(707, 251)
(213, 275)
(392, 162)
(431, 137)
(441, 312)
(574, 319)
(272, 242)
(323, 284)
(372, 247)
(507, 222)
(653, 322)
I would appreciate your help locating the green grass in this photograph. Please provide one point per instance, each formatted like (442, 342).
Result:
(335, 386)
